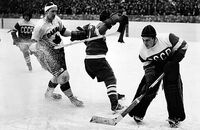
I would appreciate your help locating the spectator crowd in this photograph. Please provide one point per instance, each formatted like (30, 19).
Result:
(94, 7)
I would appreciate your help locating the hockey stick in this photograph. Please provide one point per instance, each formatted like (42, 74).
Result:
(114, 121)
(85, 40)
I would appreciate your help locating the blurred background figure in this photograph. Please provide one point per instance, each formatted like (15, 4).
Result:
(21, 34)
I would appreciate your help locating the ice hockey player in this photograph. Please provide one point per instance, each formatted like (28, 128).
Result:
(21, 34)
(96, 64)
(47, 35)
(160, 54)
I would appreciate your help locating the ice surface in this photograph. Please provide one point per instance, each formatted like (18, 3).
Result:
(23, 107)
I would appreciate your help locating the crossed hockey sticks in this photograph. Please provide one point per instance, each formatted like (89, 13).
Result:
(114, 121)
(85, 40)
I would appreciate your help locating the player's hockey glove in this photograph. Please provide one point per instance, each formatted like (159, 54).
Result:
(114, 18)
(175, 59)
(150, 77)
(81, 33)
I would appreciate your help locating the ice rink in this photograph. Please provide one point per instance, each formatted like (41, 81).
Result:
(23, 106)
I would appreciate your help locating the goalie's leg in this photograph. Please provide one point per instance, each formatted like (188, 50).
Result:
(174, 94)
(139, 111)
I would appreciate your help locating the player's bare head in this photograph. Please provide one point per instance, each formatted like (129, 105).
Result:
(148, 36)
(27, 15)
(50, 11)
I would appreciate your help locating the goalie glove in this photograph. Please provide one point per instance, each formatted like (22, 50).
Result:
(175, 59)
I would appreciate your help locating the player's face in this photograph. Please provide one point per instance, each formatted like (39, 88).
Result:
(148, 42)
(26, 18)
(51, 13)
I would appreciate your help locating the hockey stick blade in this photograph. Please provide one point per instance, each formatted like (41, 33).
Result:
(85, 40)
(103, 120)
(114, 121)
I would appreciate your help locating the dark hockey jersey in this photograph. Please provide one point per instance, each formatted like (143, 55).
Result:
(96, 47)
(24, 29)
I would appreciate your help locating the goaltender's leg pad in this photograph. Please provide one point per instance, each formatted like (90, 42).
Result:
(140, 109)
(174, 98)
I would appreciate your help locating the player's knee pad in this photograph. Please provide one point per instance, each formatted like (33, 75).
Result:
(32, 47)
(63, 77)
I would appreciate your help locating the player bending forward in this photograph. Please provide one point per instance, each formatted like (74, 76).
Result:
(24, 28)
(160, 54)
(96, 64)
(47, 35)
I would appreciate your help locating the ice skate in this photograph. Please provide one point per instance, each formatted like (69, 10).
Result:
(29, 66)
(120, 96)
(137, 119)
(115, 106)
(173, 123)
(119, 108)
(75, 101)
(53, 96)
(72, 98)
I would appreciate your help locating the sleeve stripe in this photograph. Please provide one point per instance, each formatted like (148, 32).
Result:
(178, 44)
(181, 44)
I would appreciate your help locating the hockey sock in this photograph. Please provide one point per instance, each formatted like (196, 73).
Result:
(52, 85)
(66, 89)
(27, 59)
(113, 96)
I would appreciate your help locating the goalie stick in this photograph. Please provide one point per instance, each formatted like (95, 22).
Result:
(114, 121)
(85, 40)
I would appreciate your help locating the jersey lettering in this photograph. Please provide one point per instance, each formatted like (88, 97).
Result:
(53, 31)
(26, 29)
(160, 56)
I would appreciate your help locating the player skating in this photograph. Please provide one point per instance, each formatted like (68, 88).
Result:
(21, 35)
(161, 54)
(47, 35)
(96, 64)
